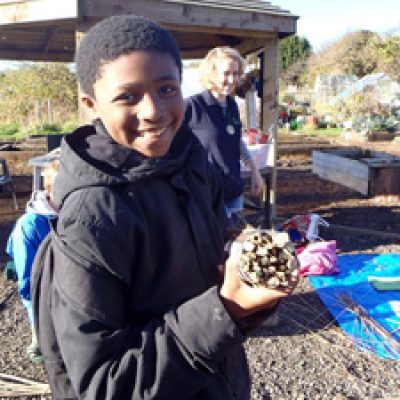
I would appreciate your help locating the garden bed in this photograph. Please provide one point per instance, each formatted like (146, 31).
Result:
(368, 172)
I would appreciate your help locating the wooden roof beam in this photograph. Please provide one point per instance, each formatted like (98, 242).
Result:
(197, 15)
(32, 55)
(248, 33)
(260, 6)
(250, 46)
(231, 41)
(50, 33)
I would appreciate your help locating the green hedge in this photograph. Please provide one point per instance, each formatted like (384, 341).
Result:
(13, 131)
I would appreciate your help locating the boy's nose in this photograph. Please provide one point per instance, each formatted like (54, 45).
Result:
(149, 108)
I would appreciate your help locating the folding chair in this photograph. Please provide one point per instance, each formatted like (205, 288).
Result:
(5, 180)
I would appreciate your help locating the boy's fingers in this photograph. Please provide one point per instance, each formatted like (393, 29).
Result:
(236, 250)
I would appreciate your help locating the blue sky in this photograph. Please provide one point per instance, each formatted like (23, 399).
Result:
(323, 22)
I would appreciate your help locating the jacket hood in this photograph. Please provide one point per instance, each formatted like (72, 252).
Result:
(90, 157)
(39, 204)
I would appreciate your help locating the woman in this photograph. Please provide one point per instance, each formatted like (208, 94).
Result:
(213, 115)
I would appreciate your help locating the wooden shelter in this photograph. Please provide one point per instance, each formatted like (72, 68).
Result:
(48, 30)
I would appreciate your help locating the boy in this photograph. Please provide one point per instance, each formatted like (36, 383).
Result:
(135, 309)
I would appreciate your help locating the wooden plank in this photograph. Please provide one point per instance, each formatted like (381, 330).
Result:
(347, 172)
(369, 176)
(218, 30)
(50, 34)
(341, 164)
(349, 181)
(24, 55)
(39, 10)
(379, 154)
(258, 6)
(38, 41)
(381, 162)
(196, 14)
(385, 181)
(349, 152)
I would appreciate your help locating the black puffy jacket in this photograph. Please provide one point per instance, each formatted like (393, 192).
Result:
(130, 308)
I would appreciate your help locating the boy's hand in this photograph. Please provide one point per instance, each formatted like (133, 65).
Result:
(242, 300)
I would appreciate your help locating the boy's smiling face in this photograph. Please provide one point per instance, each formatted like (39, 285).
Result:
(139, 100)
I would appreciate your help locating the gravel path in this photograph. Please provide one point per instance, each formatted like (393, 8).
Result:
(307, 356)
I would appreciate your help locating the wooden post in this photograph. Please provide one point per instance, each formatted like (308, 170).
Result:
(251, 111)
(270, 105)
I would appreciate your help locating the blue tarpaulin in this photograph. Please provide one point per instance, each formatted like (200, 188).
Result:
(350, 291)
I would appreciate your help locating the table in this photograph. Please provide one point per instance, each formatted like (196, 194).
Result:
(266, 173)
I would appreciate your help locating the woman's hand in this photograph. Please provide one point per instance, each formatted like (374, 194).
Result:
(256, 181)
(242, 300)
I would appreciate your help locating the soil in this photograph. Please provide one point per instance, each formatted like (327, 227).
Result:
(358, 224)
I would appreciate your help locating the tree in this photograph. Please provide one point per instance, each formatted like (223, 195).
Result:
(293, 49)
(25, 92)
(294, 52)
(388, 56)
(295, 74)
(353, 54)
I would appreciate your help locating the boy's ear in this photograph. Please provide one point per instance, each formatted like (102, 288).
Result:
(88, 102)
(89, 105)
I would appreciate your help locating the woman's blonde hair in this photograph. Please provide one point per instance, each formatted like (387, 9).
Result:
(207, 70)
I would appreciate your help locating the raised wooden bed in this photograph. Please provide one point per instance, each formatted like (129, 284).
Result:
(369, 172)
(368, 137)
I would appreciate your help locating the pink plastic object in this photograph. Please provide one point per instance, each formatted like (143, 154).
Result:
(318, 258)
(263, 138)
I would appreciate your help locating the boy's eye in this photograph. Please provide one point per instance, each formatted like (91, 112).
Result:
(168, 90)
(127, 98)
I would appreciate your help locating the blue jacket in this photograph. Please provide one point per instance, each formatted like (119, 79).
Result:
(29, 231)
(204, 116)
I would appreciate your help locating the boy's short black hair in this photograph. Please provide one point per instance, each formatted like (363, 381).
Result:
(116, 36)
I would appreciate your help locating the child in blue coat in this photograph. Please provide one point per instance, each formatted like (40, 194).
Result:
(29, 231)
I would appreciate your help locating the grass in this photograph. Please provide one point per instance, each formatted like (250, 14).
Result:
(12, 131)
(319, 132)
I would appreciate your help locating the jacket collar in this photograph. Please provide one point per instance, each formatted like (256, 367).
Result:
(106, 148)
(210, 100)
